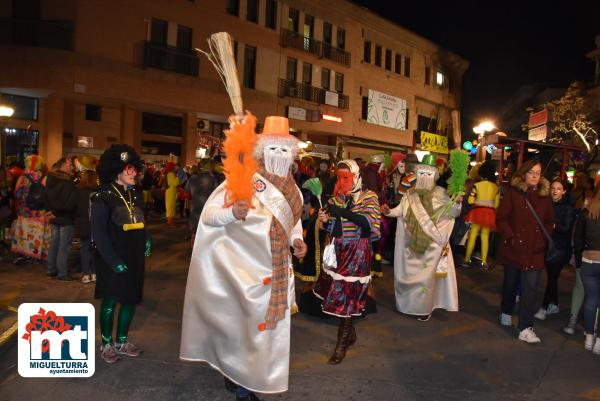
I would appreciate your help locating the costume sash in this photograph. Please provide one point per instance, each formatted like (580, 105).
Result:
(423, 218)
(275, 202)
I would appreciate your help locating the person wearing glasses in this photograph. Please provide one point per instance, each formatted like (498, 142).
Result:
(523, 244)
(121, 241)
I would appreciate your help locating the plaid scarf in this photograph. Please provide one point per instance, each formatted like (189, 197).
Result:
(419, 241)
(280, 249)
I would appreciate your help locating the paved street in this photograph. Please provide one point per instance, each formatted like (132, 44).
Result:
(454, 356)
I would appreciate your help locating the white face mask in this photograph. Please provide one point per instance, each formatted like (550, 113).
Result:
(425, 179)
(401, 167)
(278, 159)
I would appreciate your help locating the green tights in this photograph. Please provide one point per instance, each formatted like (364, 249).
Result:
(107, 313)
(577, 295)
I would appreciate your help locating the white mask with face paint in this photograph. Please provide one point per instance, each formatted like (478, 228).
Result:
(426, 177)
(278, 159)
(401, 167)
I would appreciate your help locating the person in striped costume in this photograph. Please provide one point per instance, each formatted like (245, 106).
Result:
(352, 218)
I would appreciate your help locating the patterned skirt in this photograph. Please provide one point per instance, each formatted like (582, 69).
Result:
(344, 290)
(32, 236)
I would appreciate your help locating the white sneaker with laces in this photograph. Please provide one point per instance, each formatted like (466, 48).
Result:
(541, 314)
(86, 279)
(505, 320)
(589, 342)
(529, 336)
(552, 309)
(570, 329)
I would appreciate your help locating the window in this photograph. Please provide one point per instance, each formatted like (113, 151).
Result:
(93, 112)
(233, 7)
(367, 52)
(439, 78)
(327, 29)
(341, 38)
(158, 31)
(388, 59)
(427, 76)
(292, 67)
(325, 78)
(365, 108)
(293, 20)
(250, 67)
(378, 55)
(309, 26)
(184, 37)
(398, 64)
(26, 108)
(407, 67)
(252, 11)
(162, 124)
(271, 14)
(339, 82)
(307, 73)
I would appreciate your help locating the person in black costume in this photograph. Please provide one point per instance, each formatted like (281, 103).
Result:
(121, 242)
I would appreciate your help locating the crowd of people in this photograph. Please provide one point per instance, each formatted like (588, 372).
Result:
(330, 224)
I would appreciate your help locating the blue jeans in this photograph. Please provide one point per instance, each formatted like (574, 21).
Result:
(59, 250)
(590, 275)
(87, 261)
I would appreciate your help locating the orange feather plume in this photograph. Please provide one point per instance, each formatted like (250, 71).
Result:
(240, 165)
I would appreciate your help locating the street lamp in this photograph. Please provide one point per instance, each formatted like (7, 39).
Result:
(5, 113)
(482, 129)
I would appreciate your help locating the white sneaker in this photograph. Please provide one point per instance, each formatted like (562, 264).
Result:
(541, 314)
(552, 309)
(529, 336)
(570, 329)
(596, 349)
(505, 320)
(86, 279)
(589, 342)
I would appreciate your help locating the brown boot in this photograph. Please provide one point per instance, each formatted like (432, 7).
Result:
(346, 335)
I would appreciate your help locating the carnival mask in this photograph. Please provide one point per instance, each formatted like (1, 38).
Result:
(278, 159)
(426, 177)
(344, 184)
(401, 167)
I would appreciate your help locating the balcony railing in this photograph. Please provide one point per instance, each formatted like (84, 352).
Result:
(336, 54)
(289, 88)
(36, 33)
(170, 58)
(300, 42)
(320, 49)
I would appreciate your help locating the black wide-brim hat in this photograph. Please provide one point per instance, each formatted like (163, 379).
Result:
(113, 162)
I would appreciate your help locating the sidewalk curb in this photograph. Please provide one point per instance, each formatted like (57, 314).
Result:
(12, 330)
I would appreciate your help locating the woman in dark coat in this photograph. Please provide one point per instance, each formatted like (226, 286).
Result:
(86, 182)
(564, 219)
(120, 237)
(523, 244)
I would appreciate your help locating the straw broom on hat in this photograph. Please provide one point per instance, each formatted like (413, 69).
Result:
(240, 165)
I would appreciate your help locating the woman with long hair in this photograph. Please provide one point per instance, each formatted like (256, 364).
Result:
(564, 218)
(587, 258)
(523, 243)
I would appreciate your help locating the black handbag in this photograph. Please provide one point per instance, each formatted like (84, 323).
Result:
(553, 255)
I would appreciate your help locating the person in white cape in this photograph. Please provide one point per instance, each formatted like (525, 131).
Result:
(239, 293)
(424, 273)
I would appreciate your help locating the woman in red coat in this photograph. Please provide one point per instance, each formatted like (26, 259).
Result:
(523, 244)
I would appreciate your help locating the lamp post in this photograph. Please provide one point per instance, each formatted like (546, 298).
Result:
(5, 113)
(481, 130)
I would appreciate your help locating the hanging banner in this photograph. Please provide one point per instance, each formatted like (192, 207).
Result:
(434, 143)
(538, 133)
(386, 110)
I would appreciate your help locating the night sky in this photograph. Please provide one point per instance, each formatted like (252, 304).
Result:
(508, 44)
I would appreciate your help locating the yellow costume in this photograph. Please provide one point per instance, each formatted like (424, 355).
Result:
(171, 195)
(485, 198)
